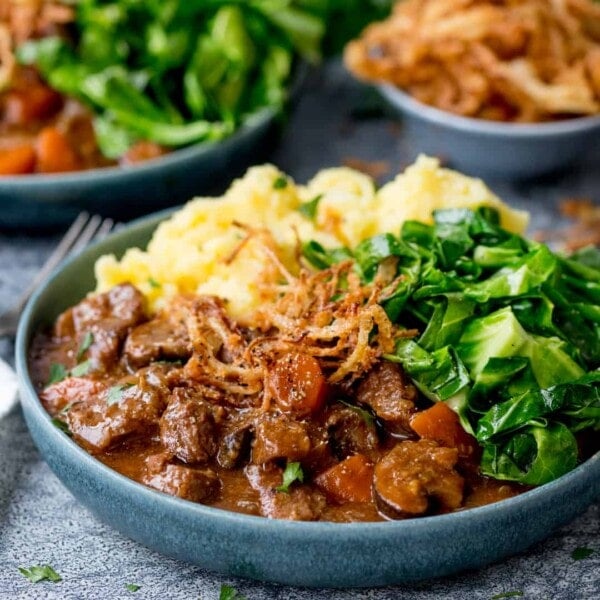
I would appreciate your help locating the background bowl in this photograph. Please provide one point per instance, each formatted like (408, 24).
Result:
(296, 553)
(49, 201)
(493, 149)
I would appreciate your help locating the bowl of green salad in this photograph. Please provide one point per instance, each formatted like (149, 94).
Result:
(120, 108)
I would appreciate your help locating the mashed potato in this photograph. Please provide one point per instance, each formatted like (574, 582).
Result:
(204, 247)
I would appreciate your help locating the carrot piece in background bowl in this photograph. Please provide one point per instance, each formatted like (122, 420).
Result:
(19, 160)
(55, 153)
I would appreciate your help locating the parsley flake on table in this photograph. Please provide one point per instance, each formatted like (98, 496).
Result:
(581, 553)
(87, 341)
(57, 373)
(37, 573)
(309, 209)
(513, 594)
(228, 592)
(132, 587)
(293, 472)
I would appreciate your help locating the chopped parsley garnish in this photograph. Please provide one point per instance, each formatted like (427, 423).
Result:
(57, 373)
(309, 209)
(115, 393)
(66, 408)
(38, 573)
(581, 553)
(366, 416)
(280, 183)
(513, 594)
(132, 587)
(62, 426)
(153, 283)
(230, 593)
(87, 341)
(82, 368)
(293, 472)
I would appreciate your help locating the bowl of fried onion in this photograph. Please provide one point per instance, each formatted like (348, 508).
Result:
(509, 89)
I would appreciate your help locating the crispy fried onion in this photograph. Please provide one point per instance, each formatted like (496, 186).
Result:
(21, 20)
(26, 19)
(521, 60)
(329, 315)
(332, 316)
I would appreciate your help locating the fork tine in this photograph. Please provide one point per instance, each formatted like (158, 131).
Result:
(104, 229)
(87, 235)
(82, 231)
(61, 250)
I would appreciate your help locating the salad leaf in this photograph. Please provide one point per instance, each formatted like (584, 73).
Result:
(534, 456)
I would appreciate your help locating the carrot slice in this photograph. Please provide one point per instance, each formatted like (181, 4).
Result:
(19, 160)
(55, 154)
(348, 481)
(298, 384)
(441, 424)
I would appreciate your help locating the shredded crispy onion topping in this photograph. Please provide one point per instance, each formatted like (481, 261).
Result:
(330, 315)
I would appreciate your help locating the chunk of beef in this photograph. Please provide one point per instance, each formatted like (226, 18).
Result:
(108, 317)
(101, 420)
(387, 390)
(301, 503)
(187, 427)
(277, 437)
(64, 326)
(350, 433)
(160, 339)
(197, 485)
(234, 445)
(70, 391)
(412, 475)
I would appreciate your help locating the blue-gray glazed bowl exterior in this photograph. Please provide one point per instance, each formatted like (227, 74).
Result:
(492, 149)
(50, 201)
(294, 553)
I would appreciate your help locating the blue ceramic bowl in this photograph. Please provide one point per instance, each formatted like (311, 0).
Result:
(295, 553)
(48, 201)
(492, 149)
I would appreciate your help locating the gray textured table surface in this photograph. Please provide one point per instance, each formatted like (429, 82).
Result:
(40, 522)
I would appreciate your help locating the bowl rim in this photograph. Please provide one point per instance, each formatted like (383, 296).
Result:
(99, 175)
(29, 397)
(404, 101)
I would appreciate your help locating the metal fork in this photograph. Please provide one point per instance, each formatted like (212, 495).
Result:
(84, 229)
